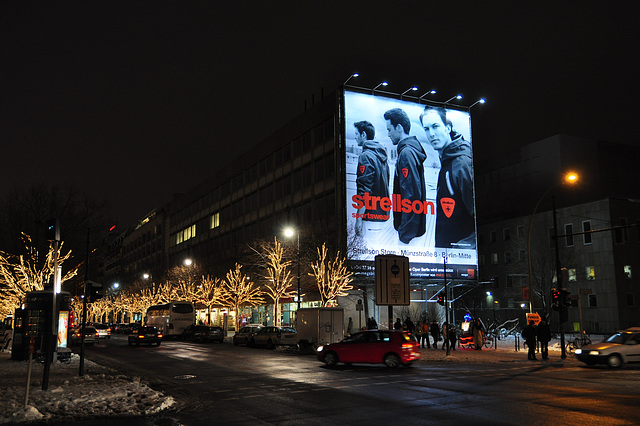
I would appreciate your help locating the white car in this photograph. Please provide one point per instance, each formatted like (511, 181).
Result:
(618, 349)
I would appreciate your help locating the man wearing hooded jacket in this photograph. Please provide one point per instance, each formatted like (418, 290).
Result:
(372, 178)
(455, 222)
(408, 179)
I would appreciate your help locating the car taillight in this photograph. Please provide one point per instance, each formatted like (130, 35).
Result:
(160, 335)
(140, 336)
(407, 345)
(97, 335)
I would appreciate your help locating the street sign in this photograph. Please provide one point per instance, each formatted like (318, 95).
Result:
(535, 317)
(392, 280)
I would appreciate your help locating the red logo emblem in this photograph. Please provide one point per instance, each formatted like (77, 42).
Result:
(447, 204)
(405, 172)
(362, 169)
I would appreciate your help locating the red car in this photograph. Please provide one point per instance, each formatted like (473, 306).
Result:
(389, 347)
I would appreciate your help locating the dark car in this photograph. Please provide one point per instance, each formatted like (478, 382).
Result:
(203, 333)
(244, 335)
(145, 336)
(389, 347)
(91, 336)
(618, 349)
(270, 337)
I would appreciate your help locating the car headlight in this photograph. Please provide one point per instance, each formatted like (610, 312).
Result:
(594, 352)
(320, 348)
(578, 351)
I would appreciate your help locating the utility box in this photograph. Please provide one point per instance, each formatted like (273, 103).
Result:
(319, 326)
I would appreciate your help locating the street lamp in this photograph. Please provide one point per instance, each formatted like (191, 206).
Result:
(455, 97)
(188, 262)
(413, 88)
(430, 92)
(384, 83)
(289, 232)
(570, 177)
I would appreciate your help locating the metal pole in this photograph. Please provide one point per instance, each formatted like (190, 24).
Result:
(446, 304)
(298, 271)
(558, 277)
(84, 307)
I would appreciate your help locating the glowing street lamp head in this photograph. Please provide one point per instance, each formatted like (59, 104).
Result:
(289, 232)
(188, 262)
(571, 177)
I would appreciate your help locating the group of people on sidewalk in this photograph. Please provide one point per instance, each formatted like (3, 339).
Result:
(533, 334)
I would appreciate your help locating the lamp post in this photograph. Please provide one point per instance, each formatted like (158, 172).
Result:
(289, 232)
(570, 177)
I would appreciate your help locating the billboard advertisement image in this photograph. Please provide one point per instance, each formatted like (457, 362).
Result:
(409, 178)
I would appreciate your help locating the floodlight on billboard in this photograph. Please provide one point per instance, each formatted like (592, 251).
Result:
(409, 184)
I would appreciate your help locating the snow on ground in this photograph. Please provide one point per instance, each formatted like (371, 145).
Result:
(100, 392)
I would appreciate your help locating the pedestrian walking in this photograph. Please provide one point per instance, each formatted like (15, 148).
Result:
(544, 336)
(451, 333)
(350, 327)
(425, 334)
(398, 324)
(529, 335)
(445, 338)
(435, 333)
(411, 328)
(418, 334)
(478, 334)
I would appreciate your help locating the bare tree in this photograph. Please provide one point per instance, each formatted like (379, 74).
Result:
(239, 290)
(20, 274)
(210, 293)
(332, 276)
(278, 285)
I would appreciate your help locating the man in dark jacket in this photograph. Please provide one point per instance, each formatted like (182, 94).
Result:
(455, 221)
(435, 333)
(372, 178)
(408, 179)
(529, 335)
(544, 336)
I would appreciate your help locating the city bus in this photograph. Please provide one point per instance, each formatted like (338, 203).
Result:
(171, 318)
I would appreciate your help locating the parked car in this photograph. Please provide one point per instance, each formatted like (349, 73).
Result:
(203, 333)
(91, 335)
(274, 336)
(246, 332)
(618, 349)
(145, 336)
(104, 331)
(120, 328)
(390, 347)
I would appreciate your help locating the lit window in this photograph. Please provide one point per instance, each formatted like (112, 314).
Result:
(627, 271)
(494, 258)
(590, 272)
(215, 220)
(572, 275)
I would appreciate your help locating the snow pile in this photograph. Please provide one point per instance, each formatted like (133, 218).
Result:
(100, 392)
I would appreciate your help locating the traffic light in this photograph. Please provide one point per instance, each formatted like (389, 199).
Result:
(93, 291)
(555, 299)
(564, 297)
(441, 300)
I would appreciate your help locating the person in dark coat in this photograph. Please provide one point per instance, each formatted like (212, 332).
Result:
(451, 332)
(435, 333)
(544, 336)
(529, 335)
(398, 324)
(411, 328)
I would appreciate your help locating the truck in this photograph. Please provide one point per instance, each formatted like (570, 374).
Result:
(319, 326)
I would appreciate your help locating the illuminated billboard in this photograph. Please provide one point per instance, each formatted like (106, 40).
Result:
(409, 184)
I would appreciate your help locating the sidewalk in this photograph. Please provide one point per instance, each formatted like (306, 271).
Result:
(505, 352)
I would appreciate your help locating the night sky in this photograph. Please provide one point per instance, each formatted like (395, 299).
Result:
(135, 101)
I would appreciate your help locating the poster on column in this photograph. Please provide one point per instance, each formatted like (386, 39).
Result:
(410, 189)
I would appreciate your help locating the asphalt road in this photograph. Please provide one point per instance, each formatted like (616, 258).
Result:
(226, 384)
